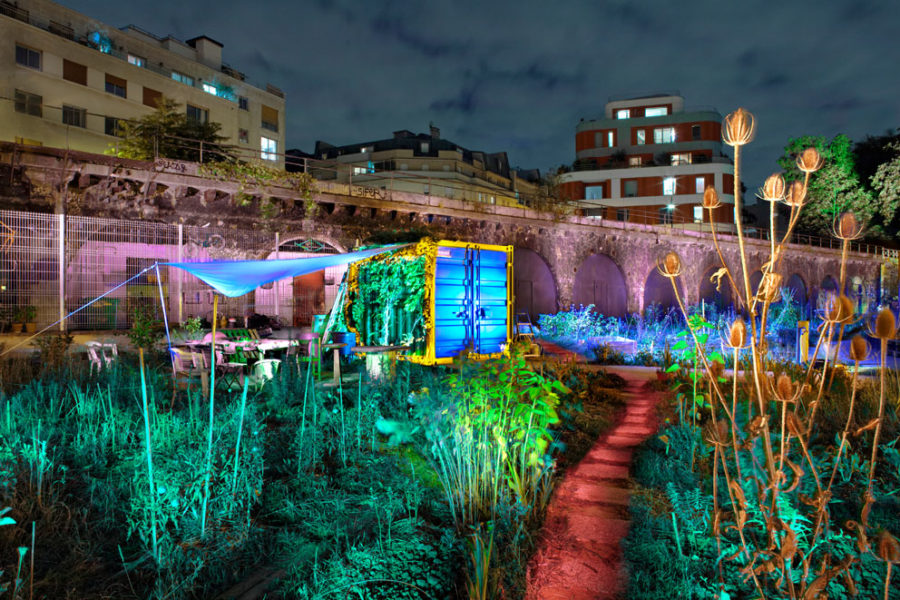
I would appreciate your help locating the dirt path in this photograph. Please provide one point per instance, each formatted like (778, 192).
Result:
(579, 556)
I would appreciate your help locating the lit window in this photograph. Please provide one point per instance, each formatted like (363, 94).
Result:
(668, 186)
(182, 78)
(700, 185)
(630, 189)
(30, 104)
(210, 89)
(28, 57)
(656, 111)
(641, 137)
(243, 103)
(76, 117)
(424, 146)
(593, 192)
(243, 136)
(357, 170)
(698, 214)
(610, 139)
(623, 113)
(634, 161)
(664, 135)
(269, 148)
(681, 158)
(136, 60)
(197, 114)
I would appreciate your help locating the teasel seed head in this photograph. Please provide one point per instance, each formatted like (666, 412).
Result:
(773, 189)
(795, 195)
(737, 336)
(784, 387)
(769, 288)
(738, 128)
(859, 348)
(711, 198)
(888, 547)
(847, 227)
(671, 265)
(885, 324)
(810, 161)
(841, 310)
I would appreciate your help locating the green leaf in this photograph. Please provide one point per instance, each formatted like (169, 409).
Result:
(672, 368)
(7, 521)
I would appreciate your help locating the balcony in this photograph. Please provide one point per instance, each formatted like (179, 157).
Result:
(589, 165)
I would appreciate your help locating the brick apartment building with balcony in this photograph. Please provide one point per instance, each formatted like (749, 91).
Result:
(649, 160)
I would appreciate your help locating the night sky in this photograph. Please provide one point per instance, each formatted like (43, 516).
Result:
(518, 76)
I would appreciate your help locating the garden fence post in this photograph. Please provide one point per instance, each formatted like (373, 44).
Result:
(61, 269)
(179, 258)
(277, 285)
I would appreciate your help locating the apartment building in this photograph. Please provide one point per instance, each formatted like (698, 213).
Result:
(649, 159)
(424, 163)
(68, 79)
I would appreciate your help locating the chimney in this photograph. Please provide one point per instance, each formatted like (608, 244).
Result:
(435, 132)
(209, 51)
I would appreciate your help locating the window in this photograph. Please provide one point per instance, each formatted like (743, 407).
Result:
(152, 98)
(30, 104)
(28, 57)
(695, 132)
(197, 114)
(656, 111)
(668, 186)
(634, 161)
(136, 60)
(665, 215)
(681, 158)
(593, 192)
(243, 103)
(641, 137)
(598, 139)
(210, 89)
(664, 135)
(243, 136)
(700, 185)
(74, 72)
(76, 117)
(698, 214)
(182, 78)
(630, 188)
(269, 148)
(112, 126)
(623, 113)
(115, 85)
(269, 118)
(610, 139)
(424, 146)
(621, 214)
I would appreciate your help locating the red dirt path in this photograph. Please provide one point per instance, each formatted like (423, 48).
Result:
(579, 556)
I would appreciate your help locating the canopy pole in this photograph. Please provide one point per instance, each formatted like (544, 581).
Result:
(212, 393)
(162, 304)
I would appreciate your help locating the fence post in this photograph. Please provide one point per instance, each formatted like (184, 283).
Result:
(61, 268)
(277, 285)
(179, 273)
(201, 151)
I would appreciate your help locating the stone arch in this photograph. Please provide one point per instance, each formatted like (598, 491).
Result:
(535, 287)
(798, 286)
(829, 286)
(755, 278)
(658, 290)
(599, 281)
(720, 298)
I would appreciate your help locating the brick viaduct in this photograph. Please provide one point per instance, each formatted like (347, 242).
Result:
(560, 260)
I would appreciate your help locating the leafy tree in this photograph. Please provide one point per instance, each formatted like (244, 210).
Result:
(886, 185)
(835, 188)
(872, 152)
(168, 133)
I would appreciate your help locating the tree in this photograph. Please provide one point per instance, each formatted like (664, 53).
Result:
(835, 188)
(873, 151)
(168, 133)
(886, 185)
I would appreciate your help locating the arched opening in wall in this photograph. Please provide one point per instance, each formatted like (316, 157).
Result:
(296, 300)
(658, 292)
(828, 288)
(797, 289)
(719, 299)
(599, 281)
(755, 278)
(856, 291)
(535, 288)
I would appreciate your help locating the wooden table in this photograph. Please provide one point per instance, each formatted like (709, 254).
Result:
(335, 348)
(375, 361)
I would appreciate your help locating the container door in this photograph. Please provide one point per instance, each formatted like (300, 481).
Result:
(452, 302)
(491, 309)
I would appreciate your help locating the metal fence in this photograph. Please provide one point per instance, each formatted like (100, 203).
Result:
(53, 265)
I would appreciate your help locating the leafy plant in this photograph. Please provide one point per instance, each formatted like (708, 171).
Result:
(146, 328)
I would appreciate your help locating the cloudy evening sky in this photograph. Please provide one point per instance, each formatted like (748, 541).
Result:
(518, 76)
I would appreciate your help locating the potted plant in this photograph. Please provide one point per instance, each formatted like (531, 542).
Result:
(18, 321)
(30, 319)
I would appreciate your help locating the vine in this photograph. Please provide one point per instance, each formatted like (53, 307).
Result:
(254, 175)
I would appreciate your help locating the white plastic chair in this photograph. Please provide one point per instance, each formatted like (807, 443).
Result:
(101, 355)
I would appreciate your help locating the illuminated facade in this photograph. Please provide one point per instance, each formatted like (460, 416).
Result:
(649, 160)
(68, 79)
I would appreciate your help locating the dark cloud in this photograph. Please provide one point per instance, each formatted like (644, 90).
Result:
(518, 76)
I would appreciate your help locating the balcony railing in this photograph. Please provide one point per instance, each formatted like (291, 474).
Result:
(589, 165)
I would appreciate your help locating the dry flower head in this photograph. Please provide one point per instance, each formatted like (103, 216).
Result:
(795, 195)
(773, 189)
(738, 128)
(810, 161)
(711, 198)
(671, 265)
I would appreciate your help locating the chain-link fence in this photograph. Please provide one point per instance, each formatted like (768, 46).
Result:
(51, 266)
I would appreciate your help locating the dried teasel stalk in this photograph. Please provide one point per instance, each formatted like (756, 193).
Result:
(888, 548)
(796, 195)
(859, 348)
(810, 161)
(847, 227)
(737, 334)
(885, 325)
(841, 310)
(711, 198)
(671, 265)
(774, 188)
(738, 128)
